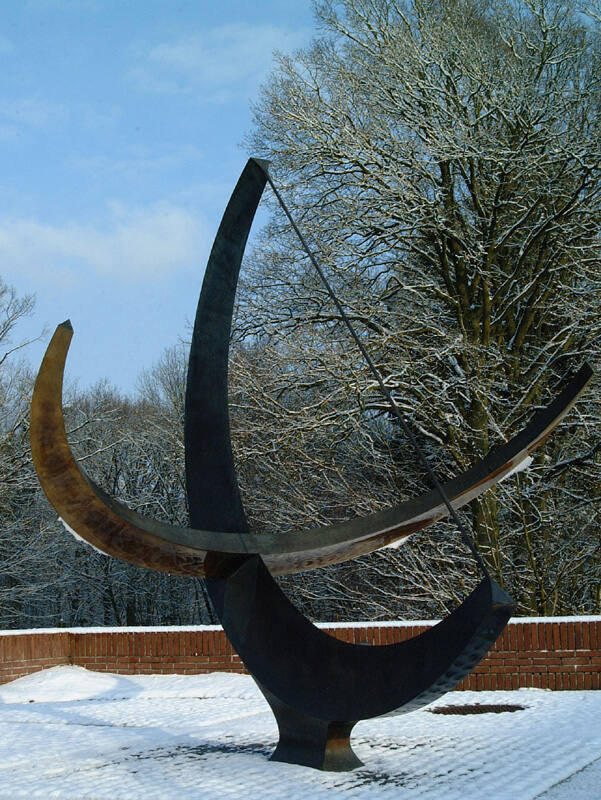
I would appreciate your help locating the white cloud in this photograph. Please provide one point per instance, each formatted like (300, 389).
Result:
(133, 162)
(133, 244)
(31, 112)
(8, 132)
(6, 46)
(63, 5)
(225, 62)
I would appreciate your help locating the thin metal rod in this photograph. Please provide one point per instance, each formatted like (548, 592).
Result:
(467, 539)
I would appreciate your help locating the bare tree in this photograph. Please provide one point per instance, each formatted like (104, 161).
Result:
(134, 449)
(444, 158)
(24, 544)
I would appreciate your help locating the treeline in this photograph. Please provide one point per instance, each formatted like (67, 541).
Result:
(47, 577)
(306, 456)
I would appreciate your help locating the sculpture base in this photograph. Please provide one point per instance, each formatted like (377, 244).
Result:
(312, 742)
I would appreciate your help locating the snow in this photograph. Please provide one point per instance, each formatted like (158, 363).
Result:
(79, 538)
(409, 623)
(522, 466)
(72, 733)
(114, 629)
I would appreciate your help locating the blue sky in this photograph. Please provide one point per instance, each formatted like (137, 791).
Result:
(121, 124)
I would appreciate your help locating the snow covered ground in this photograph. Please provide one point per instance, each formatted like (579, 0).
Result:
(70, 733)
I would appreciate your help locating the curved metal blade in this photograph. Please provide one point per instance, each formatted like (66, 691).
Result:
(116, 530)
(213, 494)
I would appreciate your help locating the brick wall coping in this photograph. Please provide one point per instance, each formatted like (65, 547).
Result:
(409, 623)
(542, 652)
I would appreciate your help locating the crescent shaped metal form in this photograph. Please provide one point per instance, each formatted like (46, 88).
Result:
(317, 686)
(118, 531)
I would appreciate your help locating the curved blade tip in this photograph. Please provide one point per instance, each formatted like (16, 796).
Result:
(262, 164)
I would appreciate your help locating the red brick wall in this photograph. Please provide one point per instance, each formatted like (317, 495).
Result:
(21, 654)
(545, 653)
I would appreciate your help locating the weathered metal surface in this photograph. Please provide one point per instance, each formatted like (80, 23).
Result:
(118, 531)
(312, 680)
(94, 516)
(213, 494)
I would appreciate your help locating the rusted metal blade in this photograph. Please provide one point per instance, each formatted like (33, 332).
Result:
(116, 530)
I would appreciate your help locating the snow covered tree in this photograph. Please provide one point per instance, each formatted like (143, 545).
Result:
(444, 158)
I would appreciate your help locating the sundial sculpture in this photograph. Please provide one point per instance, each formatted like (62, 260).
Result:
(317, 686)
